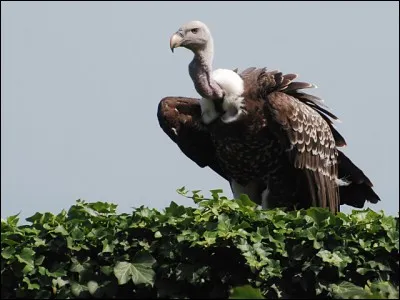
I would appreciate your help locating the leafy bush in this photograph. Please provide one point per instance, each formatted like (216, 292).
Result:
(224, 248)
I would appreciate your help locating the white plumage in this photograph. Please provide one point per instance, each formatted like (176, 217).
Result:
(232, 85)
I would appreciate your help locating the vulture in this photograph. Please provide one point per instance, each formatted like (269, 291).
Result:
(260, 131)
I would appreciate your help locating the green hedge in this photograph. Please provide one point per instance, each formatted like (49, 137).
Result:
(223, 248)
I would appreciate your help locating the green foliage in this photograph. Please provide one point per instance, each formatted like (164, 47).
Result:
(246, 292)
(222, 249)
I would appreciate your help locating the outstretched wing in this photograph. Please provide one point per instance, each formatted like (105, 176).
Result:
(180, 118)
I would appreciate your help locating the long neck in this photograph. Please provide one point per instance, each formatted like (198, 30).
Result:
(200, 70)
(204, 57)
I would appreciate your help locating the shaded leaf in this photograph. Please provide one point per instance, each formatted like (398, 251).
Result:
(31, 286)
(92, 287)
(77, 289)
(245, 292)
(26, 256)
(348, 290)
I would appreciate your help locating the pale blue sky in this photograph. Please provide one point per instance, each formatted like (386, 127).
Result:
(81, 81)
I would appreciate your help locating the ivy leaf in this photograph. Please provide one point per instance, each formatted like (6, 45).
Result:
(92, 287)
(42, 271)
(39, 242)
(348, 290)
(318, 214)
(363, 271)
(224, 223)
(13, 220)
(215, 193)
(210, 237)
(31, 286)
(107, 270)
(58, 271)
(26, 256)
(60, 282)
(140, 270)
(77, 289)
(61, 229)
(8, 252)
(182, 191)
(335, 258)
(245, 292)
(39, 260)
(378, 265)
(246, 201)
(107, 248)
(104, 207)
(77, 234)
(76, 266)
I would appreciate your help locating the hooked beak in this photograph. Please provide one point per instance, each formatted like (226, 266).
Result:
(175, 41)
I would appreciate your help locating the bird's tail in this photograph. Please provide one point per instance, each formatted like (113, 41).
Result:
(360, 188)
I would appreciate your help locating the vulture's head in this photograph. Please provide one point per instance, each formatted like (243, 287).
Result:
(194, 36)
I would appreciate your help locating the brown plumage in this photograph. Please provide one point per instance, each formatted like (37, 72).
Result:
(285, 143)
(261, 132)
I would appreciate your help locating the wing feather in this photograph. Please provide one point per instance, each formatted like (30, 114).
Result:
(312, 146)
(180, 118)
(269, 81)
(360, 188)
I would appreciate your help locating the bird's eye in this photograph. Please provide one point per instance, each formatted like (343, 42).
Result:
(194, 30)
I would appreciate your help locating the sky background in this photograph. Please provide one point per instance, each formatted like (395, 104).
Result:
(81, 81)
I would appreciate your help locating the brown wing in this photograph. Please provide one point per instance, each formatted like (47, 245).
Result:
(180, 118)
(304, 124)
(260, 82)
(310, 145)
(304, 128)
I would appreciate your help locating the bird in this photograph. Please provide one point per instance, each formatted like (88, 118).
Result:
(261, 132)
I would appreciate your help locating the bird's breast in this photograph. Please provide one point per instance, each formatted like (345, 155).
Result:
(245, 159)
